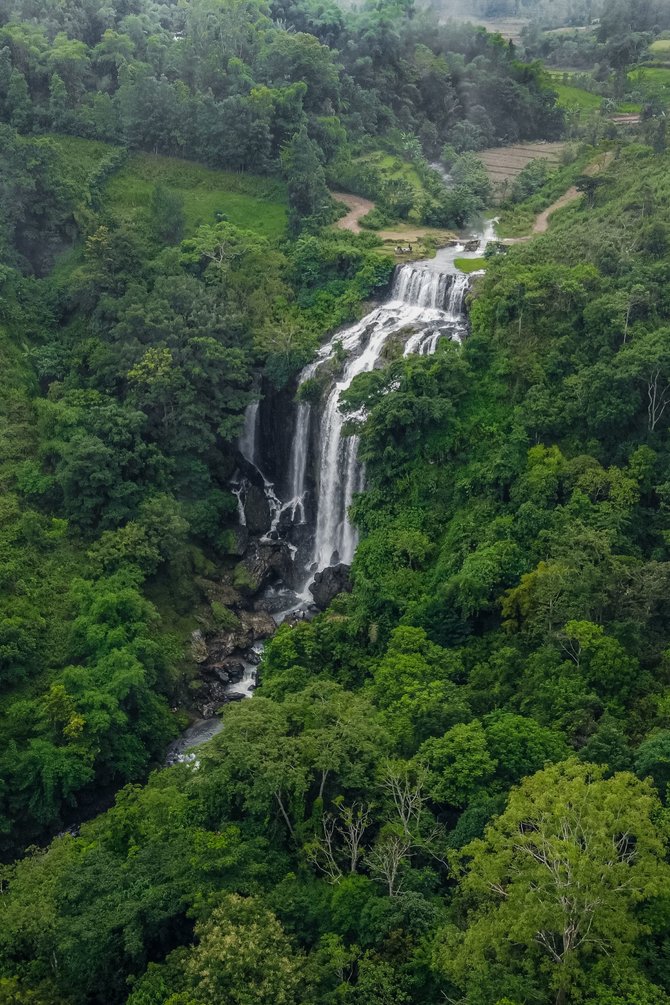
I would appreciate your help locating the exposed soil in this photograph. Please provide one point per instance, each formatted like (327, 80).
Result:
(402, 234)
(358, 208)
(541, 225)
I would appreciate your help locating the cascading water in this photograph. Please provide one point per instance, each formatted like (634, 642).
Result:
(248, 439)
(324, 474)
(424, 307)
(248, 447)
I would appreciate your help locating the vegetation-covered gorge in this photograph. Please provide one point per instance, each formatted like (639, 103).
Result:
(126, 375)
(454, 781)
(452, 784)
(146, 301)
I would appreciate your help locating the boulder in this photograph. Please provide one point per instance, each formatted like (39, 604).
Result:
(199, 650)
(222, 645)
(261, 624)
(257, 511)
(228, 672)
(237, 541)
(264, 562)
(329, 583)
(221, 591)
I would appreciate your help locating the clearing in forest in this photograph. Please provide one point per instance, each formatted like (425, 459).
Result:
(248, 201)
(397, 235)
(541, 224)
(509, 27)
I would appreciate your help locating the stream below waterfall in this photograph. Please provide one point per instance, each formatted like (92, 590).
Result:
(307, 507)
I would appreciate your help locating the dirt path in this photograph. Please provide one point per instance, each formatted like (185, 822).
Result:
(541, 225)
(357, 206)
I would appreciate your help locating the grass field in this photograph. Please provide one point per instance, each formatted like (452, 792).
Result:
(652, 81)
(248, 201)
(576, 97)
(661, 47)
(82, 157)
(469, 265)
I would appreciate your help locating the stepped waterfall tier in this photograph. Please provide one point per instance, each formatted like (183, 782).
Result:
(324, 472)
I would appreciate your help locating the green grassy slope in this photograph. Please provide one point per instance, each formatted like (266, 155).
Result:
(248, 201)
(251, 202)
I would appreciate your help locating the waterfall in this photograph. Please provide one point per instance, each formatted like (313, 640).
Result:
(425, 306)
(420, 287)
(247, 441)
(248, 447)
(298, 463)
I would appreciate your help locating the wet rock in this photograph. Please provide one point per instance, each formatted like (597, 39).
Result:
(264, 562)
(329, 583)
(219, 671)
(237, 541)
(286, 520)
(199, 651)
(257, 511)
(253, 626)
(471, 246)
(260, 623)
(228, 672)
(222, 591)
(234, 670)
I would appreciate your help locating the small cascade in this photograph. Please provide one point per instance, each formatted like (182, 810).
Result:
(298, 463)
(420, 287)
(248, 439)
(248, 447)
(240, 491)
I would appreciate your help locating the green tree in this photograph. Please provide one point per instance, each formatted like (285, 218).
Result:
(243, 957)
(555, 884)
(309, 202)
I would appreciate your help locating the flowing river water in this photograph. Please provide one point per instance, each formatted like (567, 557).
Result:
(310, 510)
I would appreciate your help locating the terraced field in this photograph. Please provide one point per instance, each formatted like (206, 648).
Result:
(505, 163)
(509, 27)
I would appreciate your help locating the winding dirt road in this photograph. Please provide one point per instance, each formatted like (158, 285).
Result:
(358, 208)
(541, 224)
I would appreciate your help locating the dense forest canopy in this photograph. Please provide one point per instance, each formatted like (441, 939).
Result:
(452, 784)
(230, 83)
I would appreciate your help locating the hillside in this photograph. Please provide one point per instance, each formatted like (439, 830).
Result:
(334, 500)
